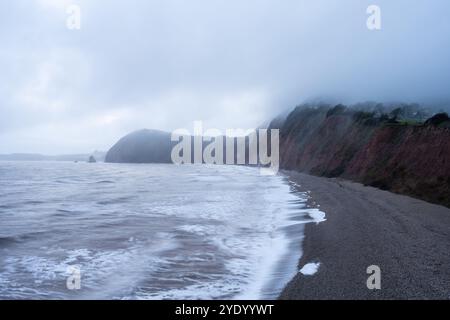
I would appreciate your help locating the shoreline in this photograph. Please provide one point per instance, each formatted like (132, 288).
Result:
(277, 269)
(406, 237)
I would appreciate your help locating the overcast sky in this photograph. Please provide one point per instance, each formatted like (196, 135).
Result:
(161, 64)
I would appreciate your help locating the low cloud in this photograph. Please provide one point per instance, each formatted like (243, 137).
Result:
(163, 64)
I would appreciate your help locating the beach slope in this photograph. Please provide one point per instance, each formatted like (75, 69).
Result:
(408, 239)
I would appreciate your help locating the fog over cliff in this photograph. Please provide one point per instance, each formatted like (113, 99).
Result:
(162, 64)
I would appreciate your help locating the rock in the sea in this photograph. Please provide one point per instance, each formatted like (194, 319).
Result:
(92, 159)
(143, 146)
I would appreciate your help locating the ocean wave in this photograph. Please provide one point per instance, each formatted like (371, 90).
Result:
(154, 232)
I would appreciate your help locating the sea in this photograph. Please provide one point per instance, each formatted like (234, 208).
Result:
(147, 231)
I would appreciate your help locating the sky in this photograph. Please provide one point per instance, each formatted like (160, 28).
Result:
(163, 64)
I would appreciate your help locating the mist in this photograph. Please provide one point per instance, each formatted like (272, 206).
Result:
(163, 64)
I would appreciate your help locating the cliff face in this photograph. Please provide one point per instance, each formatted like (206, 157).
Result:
(407, 159)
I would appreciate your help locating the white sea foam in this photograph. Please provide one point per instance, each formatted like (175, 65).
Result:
(317, 215)
(310, 269)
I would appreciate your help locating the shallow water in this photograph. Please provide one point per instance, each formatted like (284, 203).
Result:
(146, 231)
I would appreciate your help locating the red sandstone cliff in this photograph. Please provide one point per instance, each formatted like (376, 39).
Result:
(403, 158)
